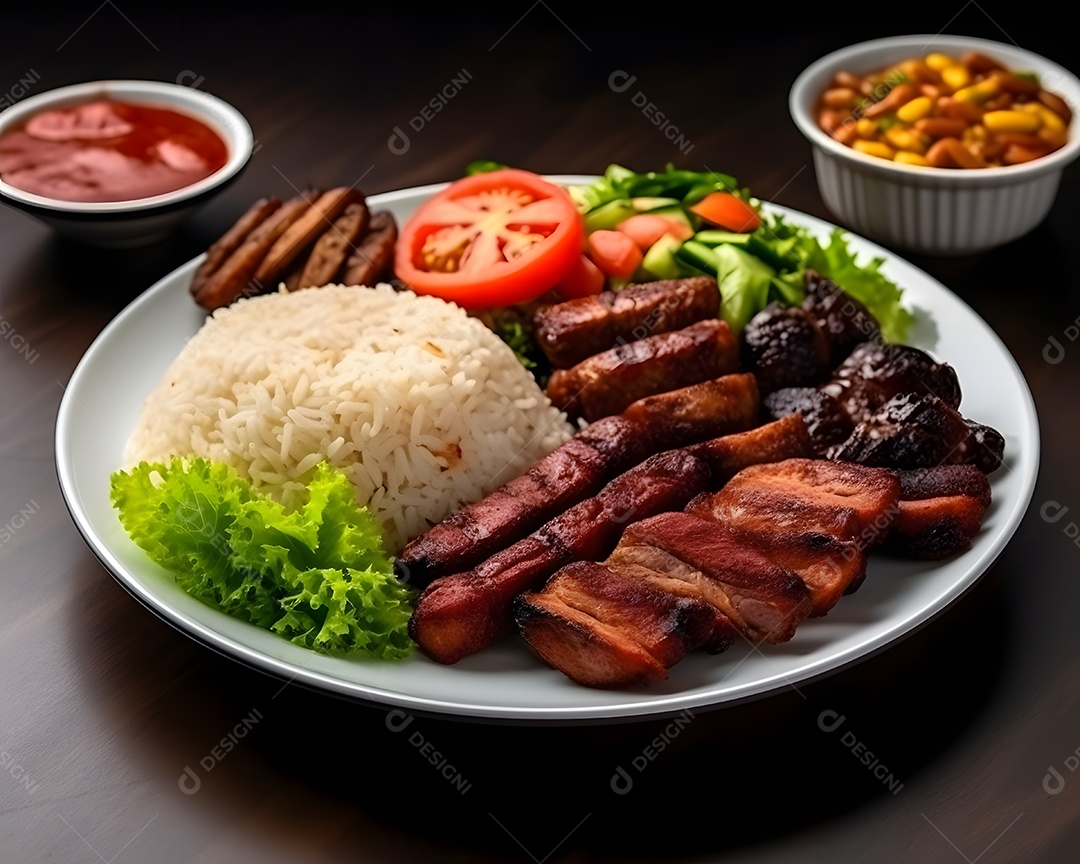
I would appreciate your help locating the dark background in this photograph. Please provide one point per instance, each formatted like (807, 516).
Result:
(103, 705)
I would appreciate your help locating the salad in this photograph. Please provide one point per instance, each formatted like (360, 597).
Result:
(501, 240)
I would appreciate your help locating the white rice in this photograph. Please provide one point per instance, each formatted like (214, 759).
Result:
(421, 405)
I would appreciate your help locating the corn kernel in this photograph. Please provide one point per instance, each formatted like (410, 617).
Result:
(865, 127)
(874, 148)
(938, 61)
(1012, 121)
(978, 93)
(956, 77)
(1051, 120)
(914, 110)
(905, 139)
(907, 158)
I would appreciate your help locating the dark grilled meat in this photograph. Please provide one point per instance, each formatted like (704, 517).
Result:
(763, 600)
(459, 614)
(577, 470)
(826, 420)
(811, 516)
(573, 331)
(941, 511)
(921, 431)
(845, 321)
(606, 625)
(608, 382)
(785, 347)
(874, 373)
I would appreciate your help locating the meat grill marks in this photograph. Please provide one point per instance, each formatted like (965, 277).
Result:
(608, 382)
(573, 331)
(306, 241)
(778, 543)
(940, 511)
(459, 614)
(579, 469)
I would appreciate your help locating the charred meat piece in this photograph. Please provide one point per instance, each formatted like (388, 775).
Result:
(592, 621)
(230, 241)
(586, 650)
(608, 382)
(235, 277)
(874, 373)
(811, 516)
(298, 238)
(728, 455)
(459, 614)
(921, 431)
(370, 262)
(827, 422)
(850, 502)
(577, 470)
(845, 321)
(763, 600)
(573, 331)
(785, 347)
(941, 511)
(334, 246)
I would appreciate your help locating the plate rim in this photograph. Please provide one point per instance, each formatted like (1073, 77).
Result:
(628, 710)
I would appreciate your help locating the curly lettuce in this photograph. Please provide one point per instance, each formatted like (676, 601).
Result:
(317, 575)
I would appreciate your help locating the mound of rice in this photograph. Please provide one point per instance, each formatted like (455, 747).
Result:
(421, 405)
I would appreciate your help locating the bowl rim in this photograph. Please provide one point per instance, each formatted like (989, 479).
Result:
(222, 117)
(805, 90)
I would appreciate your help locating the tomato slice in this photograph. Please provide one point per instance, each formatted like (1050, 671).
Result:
(494, 239)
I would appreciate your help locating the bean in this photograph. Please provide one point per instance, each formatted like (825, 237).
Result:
(957, 109)
(941, 127)
(1017, 84)
(839, 97)
(1056, 104)
(938, 155)
(962, 155)
(896, 97)
(979, 62)
(1015, 155)
(849, 80)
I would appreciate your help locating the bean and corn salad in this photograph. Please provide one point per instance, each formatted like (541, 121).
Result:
(946, 112)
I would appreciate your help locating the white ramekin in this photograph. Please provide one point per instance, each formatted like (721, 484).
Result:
(145, 220)
(936, 211)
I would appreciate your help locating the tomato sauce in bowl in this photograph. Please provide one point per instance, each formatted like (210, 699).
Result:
(109, 150)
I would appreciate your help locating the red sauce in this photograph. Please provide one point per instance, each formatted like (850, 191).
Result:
(106, 150)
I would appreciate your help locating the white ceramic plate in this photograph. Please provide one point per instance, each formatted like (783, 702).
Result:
(101, 405)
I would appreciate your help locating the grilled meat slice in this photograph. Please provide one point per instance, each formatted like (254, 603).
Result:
(330, 251)
(921, 431)
(608, 382)
(763, 600)
(230, 241)
(371, 260)
(577, 470)
(235, 276)
(845, 321)
(941, 511)
(849, 502)
(875, 372)
(785, 347)
(813, 517)
(827, 422)
(573, 331)
(586, 650)
(459, 614)
(631, 611)
(727, 455)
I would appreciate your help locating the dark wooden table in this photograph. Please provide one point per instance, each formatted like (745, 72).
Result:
(105, 708)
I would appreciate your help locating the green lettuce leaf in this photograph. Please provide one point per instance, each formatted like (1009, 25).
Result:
(317, 575)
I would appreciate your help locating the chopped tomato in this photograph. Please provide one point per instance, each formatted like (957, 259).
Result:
(615, 253)
(494, 239)
(583, 280)
(727, 211)
(646, 228)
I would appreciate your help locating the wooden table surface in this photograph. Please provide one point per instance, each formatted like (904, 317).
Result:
(109, 717)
